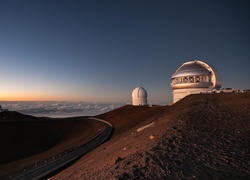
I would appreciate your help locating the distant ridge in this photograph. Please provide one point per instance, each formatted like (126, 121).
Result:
(26, 139)
(13, 115)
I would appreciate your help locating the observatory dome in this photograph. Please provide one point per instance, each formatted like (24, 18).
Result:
(194, 77)
(139, 96)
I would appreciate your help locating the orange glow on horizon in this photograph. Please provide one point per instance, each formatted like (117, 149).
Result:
(34, 98)
(26, 98)
(44, 97)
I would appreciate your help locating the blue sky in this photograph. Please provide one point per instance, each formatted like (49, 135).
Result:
(102, 50)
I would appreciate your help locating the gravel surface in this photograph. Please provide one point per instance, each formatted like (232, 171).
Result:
(200, 137)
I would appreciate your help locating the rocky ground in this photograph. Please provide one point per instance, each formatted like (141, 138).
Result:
(200, 137)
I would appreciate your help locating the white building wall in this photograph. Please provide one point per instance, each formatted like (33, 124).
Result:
(139, 101)
(178, 94)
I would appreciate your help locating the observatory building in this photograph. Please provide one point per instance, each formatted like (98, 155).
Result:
(194, 77)
(139, 96)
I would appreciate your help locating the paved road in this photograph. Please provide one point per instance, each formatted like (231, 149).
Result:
(54, 165)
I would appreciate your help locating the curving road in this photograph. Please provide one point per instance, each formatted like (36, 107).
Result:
(54, 165)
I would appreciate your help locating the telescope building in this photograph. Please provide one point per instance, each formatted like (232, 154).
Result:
(194, 77)
(139, 97)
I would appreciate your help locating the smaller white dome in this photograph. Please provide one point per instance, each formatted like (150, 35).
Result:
(139, 92)
(139, 96)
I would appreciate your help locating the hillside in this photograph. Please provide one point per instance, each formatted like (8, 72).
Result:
(129, 116)
(204, 136)
(27, 139)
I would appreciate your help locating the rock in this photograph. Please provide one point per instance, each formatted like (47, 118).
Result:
(117, 159)
(151, 137)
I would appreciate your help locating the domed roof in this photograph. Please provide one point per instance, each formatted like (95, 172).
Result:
(139, 92)
(191, 68)
(196, 69)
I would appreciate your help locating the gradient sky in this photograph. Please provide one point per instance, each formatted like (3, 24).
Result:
(101, 50)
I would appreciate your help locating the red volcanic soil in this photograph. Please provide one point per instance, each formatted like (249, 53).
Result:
(129, 116)
(203, 136)
(26, 139)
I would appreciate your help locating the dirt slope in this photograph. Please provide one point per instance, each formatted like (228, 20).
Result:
(200, 137)
(129, 116)
(27, 139)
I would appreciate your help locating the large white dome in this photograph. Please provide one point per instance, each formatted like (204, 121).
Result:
(196, 74)
(194, 77)
(139, 96)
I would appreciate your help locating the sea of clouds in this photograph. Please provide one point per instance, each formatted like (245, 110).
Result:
(59, 109)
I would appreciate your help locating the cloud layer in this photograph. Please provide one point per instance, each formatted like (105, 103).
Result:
(58, 109)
